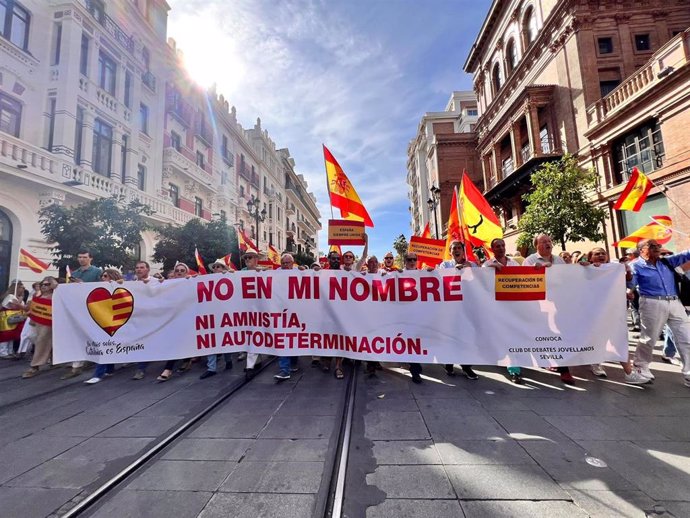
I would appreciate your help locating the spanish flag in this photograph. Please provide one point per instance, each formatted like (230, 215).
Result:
(26, 260)
(342, 193)
(273, 255)
(199, 262)
(457, 231)
(477, 215)
(227, 259)
(245, 243)
(427, 232)
(635, 192)
(659, 230)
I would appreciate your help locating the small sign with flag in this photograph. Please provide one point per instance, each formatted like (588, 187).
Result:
(520, 283)
(345, 232)
(429, 251)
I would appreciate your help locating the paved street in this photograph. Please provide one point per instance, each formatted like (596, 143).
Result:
(448, 447)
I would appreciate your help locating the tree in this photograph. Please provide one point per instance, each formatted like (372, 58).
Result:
(400, 246)
(107, 227)
(213, 239)
(558, 204)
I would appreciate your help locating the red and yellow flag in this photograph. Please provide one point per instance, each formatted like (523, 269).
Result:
(659, 230)
(273, 255)
(342, 193)
(199, 262)
(335, 248)
(635, 192)
(227, 259)
(27, 260)
(477, 215)
(427, 232)
(245, 243)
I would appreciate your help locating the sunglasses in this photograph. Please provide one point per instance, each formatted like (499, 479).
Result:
(387, 258)
(348, 257)
(46, 285)
(180, 271)
(410, 259)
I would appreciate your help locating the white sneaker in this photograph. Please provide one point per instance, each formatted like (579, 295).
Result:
(635, 378)
(598, 370)
(644, 371)
(92, 380)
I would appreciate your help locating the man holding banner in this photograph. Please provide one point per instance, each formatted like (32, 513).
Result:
(458, 260)
(659, 305)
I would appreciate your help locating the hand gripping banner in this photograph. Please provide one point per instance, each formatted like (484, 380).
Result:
(566, 315)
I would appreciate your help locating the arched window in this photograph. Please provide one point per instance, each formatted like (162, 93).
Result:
(496, 78)
(511, 55)
(529, 26)
(5, 249)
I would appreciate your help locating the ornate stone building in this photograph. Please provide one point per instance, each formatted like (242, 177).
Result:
(539, 66)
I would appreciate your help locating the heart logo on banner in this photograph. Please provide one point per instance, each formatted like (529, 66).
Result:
(110, 311)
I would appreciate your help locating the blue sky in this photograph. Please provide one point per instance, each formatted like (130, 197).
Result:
(355, 75)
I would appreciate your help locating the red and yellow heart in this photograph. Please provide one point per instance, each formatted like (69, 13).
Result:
(110, 311)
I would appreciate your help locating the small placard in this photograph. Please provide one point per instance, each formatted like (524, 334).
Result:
(429, 251)
(521, 283)
(344, 232)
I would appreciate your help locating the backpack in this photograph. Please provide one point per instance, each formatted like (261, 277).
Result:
(682, 284)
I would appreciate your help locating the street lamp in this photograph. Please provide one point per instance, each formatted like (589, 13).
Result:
(253, 207)
(433, 202)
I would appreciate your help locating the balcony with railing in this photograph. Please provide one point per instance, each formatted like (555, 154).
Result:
(290, 209)
(664, 63)
(204, 131)
(96, 9)
(187, 166)
(44, 168)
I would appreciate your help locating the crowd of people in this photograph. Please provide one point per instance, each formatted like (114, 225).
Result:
(652, 291)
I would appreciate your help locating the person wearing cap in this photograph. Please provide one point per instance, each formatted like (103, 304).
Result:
(316, 266)
(659, 305)
(218, 266)
(251, 263)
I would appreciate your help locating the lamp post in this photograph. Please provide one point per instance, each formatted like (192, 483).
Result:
(433, 202)
(259, 216)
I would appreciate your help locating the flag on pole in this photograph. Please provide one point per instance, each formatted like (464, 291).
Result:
(427, 232)
(199, 262)
(335, 248)
(245, 243)
(68, 274)
(635, 192)
(273, 255)
(657, 230)
(227, 259)
(342, 193)
(27, 260)
(477, 215)
(457, 231)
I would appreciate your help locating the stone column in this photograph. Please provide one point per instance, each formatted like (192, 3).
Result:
(515, 143)
(116, 155)
(87, 139)
(533, 129)
(497, 161)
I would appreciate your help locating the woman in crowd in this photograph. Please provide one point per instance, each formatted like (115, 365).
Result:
(12, 317)
(41, 315)
(105, 369)
(567, 258)
(181, 271)
(26, 341)
(596, 257)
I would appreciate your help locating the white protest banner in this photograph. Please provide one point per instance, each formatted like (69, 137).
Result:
(444, 316)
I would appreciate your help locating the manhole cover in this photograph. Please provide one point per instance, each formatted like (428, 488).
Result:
(597, 463)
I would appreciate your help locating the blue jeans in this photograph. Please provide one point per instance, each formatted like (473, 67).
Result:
(286, 362)
(669, 345)
(102, 369)
(212, 361)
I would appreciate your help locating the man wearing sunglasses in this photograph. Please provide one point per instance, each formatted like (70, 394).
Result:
(388, 264)
(659, 305)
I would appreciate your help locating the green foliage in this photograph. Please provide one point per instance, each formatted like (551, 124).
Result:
(400, 246)
(214, 239)
(558, 204)
(107, 227)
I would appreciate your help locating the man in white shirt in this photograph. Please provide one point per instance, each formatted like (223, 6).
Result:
(459, 261)
(543, 255)
(498, 261)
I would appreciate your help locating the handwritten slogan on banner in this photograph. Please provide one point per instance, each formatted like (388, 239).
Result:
(444, 316)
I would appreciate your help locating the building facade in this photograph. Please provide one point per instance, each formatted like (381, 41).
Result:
(95, 102)
(444, 147)
(538, 66)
